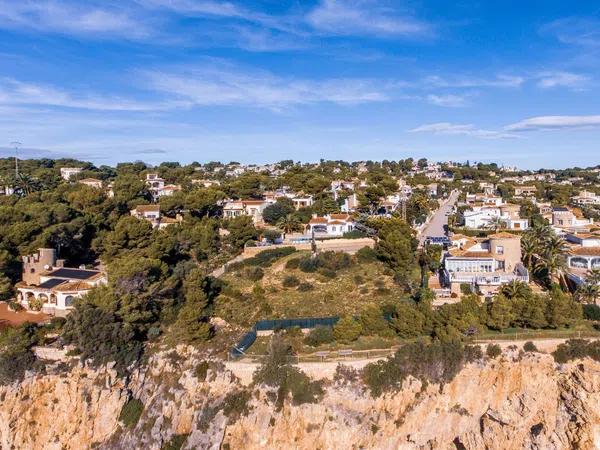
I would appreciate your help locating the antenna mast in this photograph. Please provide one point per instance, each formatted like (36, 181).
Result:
(16, 146)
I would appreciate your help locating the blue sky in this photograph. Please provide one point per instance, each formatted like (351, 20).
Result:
(515, 82)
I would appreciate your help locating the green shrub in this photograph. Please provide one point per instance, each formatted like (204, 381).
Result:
(176, 442)
(305, 287)
(465, 289)
(290, 281)
(254, 273)
(591, 312)
(308, 264)
(292, 263)
(354, 234)
(131, 412)
(347, 330)
(16, 356)
(235, 404)
(366, 254)
(201, 370)
(276, 371)
(267, 257)
(327, 273)
(577, 349)
(319, 335)
(530, 347)
(358, 280)
(493, 350)
(436, 362)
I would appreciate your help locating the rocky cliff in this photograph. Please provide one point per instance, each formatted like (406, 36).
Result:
(513, 402)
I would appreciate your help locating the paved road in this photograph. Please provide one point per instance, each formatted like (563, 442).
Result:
(435, 227)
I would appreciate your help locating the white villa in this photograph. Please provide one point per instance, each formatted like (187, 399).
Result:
(586, 198)
(563, 217)
(158, 188)
(50, 287)
(333, 225)
(252, 208)
(92, 182)
(480, 217)
(69, 172)
(484, 264)
(152, 214)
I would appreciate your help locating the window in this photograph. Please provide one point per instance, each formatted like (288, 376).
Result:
(500, 249)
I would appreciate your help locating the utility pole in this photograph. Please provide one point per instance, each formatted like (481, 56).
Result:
(16, 146)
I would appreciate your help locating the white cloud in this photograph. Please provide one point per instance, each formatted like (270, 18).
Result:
(575, 30)
(446, 128)
(13, 92)
(555, 123)
(363, 17)
(219, 86)
(562, 79)
(199, 7)
(500, 81)
(69, 18)
(447, 100)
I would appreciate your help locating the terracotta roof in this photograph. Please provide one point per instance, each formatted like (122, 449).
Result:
(253, 202)
(147, 208)
(503, 235)
(318, 220)
(585, 251)
(337, 222)
(467, 254)
(73, 286)
(340, 216)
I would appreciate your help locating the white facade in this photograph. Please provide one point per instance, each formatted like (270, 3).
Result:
(68, 172)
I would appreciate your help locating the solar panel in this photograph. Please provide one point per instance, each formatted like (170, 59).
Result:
(74, 274)
(51, 283)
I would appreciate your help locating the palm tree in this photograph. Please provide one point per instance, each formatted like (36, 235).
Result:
(289, 224)
(529, 250)
(554, 264)
(515, 289)
(496, 223)
(593, 276)
(587, 292)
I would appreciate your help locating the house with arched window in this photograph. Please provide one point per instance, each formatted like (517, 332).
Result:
(50, 287)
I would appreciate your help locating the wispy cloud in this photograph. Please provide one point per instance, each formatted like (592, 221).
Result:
(345, 17)
(447, 100)
(555, 123)
(228, 86)
(446, 128)
(13, 92)
(499, 81)
(562, 79)
(575, 30)
(70, 18)
(197, 7)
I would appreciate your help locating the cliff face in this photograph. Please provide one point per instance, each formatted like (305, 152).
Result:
(508, 403)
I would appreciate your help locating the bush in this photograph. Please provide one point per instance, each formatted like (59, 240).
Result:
(366, 254)
(176, 442)
(319, 335)
(308, 264)
(529, 347)
(435, 362)
(347, 330)
(276, 371)
(354, 234)
(358, 280)
(267, 257)
(17, 356)
(591, 312)
(327, 260)
(327, 273)
(292, 263)
(290, 281)
(493, 350)
(577, 349)
(254, 273)
(235, 404)
(305, 287)
(131, 412)
(465, 289)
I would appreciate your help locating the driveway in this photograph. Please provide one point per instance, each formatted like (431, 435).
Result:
(435, 227)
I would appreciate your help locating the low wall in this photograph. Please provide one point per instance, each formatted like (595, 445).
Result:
(336, 245)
